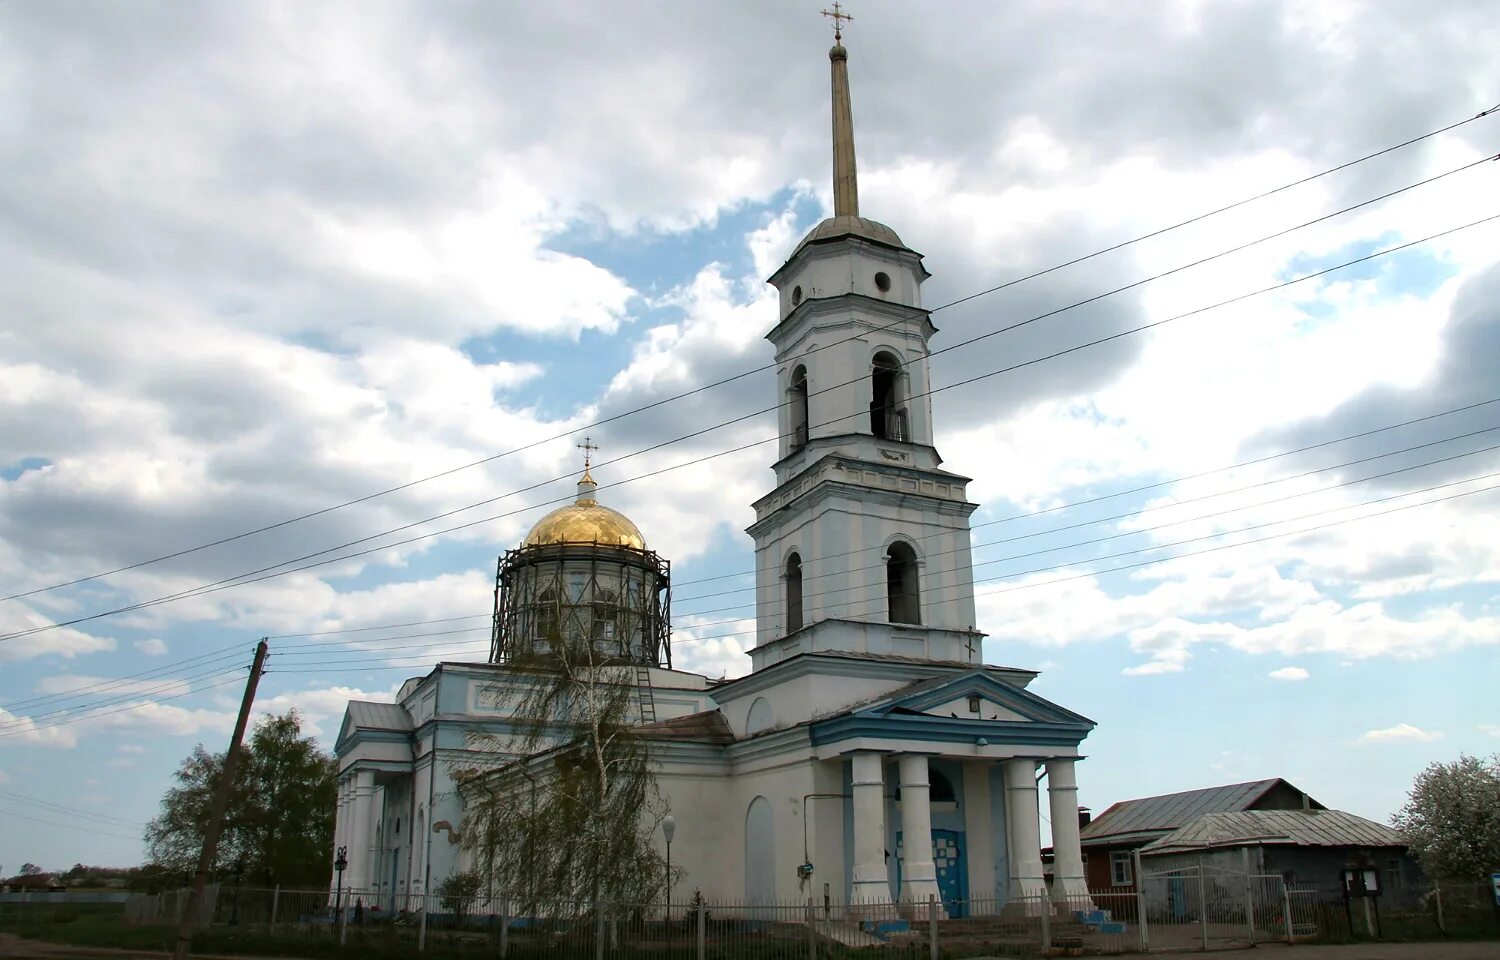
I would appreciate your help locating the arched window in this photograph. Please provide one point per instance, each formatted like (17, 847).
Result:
(793, 593)
(903, 598)
(797, 396)
(887, 411)
(547, 609)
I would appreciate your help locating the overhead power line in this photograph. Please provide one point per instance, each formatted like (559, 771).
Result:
(613, 418)
(284, 650)
(72, 826)
(100, 686)
(272, 572)
(1092, 573)
(149, 691)
(975, 548)
(91, 715)
(7, 795)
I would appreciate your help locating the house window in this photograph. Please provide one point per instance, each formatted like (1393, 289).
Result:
(1120, 868)
(973, 704)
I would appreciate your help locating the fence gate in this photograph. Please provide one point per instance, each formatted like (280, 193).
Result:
(1195, 906)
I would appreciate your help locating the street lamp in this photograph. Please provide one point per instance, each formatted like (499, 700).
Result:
(669, 830)
(340, 861)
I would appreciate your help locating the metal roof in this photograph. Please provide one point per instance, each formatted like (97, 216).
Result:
(1301, 828)
(1128, 819)
(706, 727)
(368, 715)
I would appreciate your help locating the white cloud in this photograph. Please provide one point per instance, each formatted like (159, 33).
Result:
(132, 748)
(153, 647)
(4, 777)
(1493, 729)
(120, 763)
(1153, 668)
(17, 730)
(1288, 673)
(1400, 732)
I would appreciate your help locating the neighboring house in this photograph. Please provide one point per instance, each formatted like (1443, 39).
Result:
(34, 882)
(1110, 840)
(1311, 848)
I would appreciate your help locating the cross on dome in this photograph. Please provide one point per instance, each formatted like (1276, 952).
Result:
(588, 447)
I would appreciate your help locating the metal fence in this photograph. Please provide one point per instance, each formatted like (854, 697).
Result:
(1190, 909)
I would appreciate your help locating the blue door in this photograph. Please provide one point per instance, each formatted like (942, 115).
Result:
(952, 872)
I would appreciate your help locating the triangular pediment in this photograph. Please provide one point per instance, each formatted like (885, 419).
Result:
(977, 696)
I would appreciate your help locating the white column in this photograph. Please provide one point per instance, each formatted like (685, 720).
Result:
(1024, 830)
(1068, 880)
(871, 883)
(918, 874)
(360, 840)
(979, 837)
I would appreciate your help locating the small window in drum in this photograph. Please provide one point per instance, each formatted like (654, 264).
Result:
(796, 295)
(883, 282)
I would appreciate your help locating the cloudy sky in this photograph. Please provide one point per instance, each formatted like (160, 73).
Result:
(258, 260)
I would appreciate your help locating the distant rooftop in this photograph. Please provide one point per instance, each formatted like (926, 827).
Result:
(1150, 817)
(1301, 828)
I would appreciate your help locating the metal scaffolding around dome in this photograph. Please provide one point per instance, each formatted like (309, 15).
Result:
(618, 596)
(584, 573)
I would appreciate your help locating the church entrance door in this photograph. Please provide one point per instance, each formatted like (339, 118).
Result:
(952, 871)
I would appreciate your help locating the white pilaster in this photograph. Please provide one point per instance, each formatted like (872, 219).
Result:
(1024, 829)
(360, 839)
(871, 882)
(1068, 880)
(918, 874)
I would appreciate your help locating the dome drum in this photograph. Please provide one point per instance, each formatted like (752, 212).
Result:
(617, 596)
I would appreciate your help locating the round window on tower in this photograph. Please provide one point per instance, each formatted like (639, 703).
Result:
(883, 282)
(796, 295)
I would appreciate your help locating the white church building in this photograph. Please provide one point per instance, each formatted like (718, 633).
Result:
(870, 754)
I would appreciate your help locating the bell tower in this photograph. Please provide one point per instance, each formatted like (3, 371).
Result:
(864, 544)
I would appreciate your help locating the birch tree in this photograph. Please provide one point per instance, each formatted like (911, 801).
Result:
(569, 810)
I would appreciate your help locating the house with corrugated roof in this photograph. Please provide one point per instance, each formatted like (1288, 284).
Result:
(1306, 847)
(1110, 840)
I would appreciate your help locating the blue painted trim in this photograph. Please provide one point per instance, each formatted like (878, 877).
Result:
(947, 730)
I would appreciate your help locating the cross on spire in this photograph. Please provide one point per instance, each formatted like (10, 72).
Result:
(838, 16)
(588, 447)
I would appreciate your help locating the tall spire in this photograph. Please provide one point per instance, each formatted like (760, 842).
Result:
(845, 180)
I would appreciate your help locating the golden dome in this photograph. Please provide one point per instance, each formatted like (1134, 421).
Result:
(586, 521)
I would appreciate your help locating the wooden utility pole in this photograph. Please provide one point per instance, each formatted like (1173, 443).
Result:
(216, 816)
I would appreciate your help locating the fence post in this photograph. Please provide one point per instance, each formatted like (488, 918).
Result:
(1203, 905)
(1046, 909)
(343, 924)
(598, 929)
(275, 904)
(812, 933)
(422, 924)
(1286, 910)
(932, 926)
(1140, 900)
(1437, 895)
(702, 924)
(1249, 895)
(504, 927)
